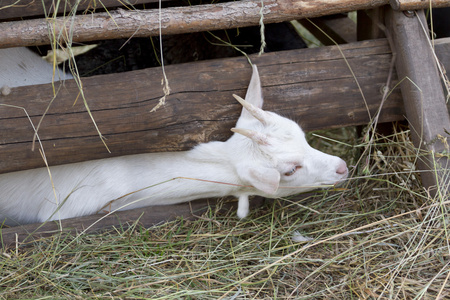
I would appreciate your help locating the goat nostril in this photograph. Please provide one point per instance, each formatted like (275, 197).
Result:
(342, 168)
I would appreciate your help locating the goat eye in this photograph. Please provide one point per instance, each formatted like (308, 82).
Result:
(292, 172)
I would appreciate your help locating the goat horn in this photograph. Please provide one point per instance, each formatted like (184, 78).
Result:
(255, 136)
(256, 112)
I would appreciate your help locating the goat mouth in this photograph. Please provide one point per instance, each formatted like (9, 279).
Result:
(340, 181)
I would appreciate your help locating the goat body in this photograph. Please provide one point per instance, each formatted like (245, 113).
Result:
(21, 67)
(268, 156)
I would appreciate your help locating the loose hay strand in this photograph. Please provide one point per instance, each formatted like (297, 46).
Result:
(261, 26)
(164, 81)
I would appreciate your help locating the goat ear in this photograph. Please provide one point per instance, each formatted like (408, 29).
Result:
(264, 179)
(254, 93)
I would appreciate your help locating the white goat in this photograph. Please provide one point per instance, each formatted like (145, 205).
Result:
(21, 66)
(267, 156)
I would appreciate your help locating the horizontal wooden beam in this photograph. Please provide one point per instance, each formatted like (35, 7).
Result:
(174, 20)
(418, 4)
(312, 86)
(27, 8)
(147, 216)
(10, 9)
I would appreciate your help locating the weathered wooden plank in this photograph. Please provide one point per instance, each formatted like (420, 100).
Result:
(147, 217)
(174, 20)
(423, 95)
(28, 8)
(312, 86)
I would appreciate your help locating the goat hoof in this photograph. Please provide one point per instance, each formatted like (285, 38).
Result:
(242, 213)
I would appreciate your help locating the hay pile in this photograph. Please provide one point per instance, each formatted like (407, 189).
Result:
(380, 236)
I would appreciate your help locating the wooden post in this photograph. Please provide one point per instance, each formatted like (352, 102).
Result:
(423, 95)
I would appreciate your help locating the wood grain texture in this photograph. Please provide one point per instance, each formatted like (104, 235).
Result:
(312, 86)
(174, 20)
